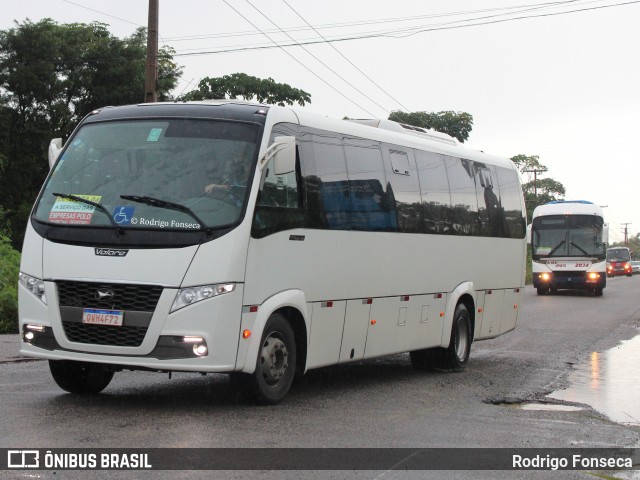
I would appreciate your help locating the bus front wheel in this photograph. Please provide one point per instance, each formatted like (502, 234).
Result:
(80, 377)
(275, 366)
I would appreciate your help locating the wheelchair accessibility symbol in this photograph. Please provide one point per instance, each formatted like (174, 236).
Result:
(122, 215)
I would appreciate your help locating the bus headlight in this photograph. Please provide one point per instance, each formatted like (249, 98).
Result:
(34, 285)
(190, 295)
(593, 277)
(545, 277)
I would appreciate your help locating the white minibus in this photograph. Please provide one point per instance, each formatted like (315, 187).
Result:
(264, 241)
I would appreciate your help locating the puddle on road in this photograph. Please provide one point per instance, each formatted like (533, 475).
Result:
(549, 407)
(609, 382)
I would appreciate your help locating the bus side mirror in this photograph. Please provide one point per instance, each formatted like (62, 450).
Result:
(529, 234)
(55, 147)
(284, 158)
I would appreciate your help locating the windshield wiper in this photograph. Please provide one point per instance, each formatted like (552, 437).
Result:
(556, 247)
(156, 202)
(579, 248)
(102, 208)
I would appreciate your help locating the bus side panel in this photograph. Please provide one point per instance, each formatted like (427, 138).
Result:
(510, 308)
(327, 324)
(384, 333)
(491, 314)
(423, 328)
(355, 330)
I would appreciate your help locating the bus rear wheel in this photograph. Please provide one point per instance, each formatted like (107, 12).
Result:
(80, 377)
(456, 356)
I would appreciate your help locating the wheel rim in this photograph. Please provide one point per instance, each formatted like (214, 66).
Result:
(462, 339)
(274, 359)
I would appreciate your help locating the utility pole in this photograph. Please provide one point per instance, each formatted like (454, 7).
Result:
(535, 172)
(151, 84)
(626, 242)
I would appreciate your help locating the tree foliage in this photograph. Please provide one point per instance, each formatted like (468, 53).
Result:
(537, 190)
(9, 269)
(52, 75)
(456, 124)
(245, 87)
(633, 242)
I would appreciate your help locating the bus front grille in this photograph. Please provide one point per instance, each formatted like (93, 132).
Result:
(142, 298)
(137, 302)
(104, 335)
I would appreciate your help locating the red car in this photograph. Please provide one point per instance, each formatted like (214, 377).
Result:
(618, 261)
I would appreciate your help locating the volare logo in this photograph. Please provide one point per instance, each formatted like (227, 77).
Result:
(23, 459)
(111, 252)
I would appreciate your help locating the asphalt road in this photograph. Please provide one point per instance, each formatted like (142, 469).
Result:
(377, 403)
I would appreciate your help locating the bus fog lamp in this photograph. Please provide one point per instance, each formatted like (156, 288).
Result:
(30, 332)
(200, 349)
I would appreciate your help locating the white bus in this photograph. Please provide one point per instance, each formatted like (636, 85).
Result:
(263, 241)
(568, 247)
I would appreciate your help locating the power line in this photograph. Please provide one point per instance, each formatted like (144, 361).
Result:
(406, 34)
(343, 56)
(369, 22)
(320, 61)
(296, 60)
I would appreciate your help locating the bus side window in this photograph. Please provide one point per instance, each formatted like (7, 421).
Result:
(279, 203)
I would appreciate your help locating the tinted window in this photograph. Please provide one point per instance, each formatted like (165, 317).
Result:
(511, 201)
(370, 208)
(402, 176)
(326, 182)
(280, 198)
(434, 190)
(464, 206)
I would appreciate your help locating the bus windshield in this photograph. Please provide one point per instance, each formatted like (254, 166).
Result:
(567, 236)
(174, 174)
(618, 255)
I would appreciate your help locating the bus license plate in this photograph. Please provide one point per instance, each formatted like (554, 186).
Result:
(102, 317)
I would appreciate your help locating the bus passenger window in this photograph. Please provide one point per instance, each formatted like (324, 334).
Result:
(279, 203)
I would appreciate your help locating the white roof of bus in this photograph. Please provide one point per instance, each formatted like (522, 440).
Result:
(568, 208)
(398, 138)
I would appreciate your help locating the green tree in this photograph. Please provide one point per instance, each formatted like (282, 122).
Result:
(9, 269)
(246, 87)
(51, 76)
(456, 124)
(537, 190)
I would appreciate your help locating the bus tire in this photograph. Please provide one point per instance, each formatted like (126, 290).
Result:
(598, 291)
(80, 377)
(456, 356)
(424, 359)
(542, 290)
(275, 365)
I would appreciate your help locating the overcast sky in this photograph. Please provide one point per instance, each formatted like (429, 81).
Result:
(557, 79)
